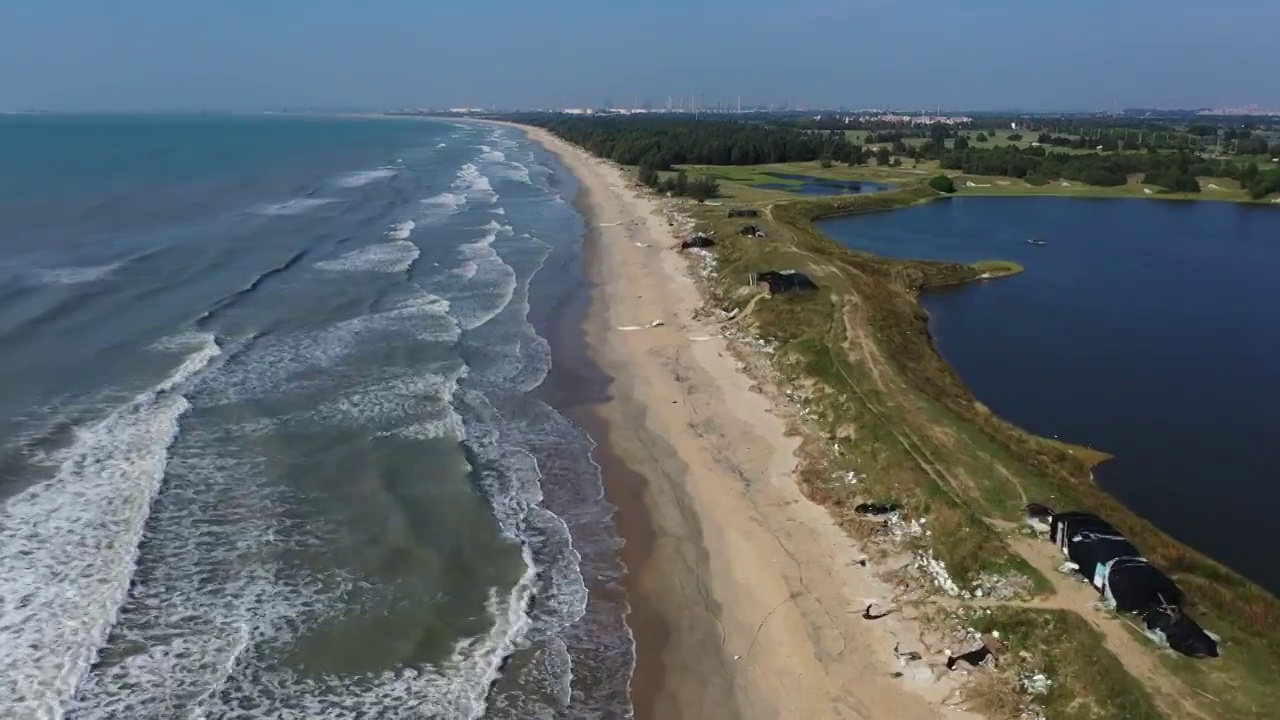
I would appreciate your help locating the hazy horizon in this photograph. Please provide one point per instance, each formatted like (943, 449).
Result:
(145, 55)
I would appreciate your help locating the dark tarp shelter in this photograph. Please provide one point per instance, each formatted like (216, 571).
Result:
(743, 212)
(785, 281)
(1170, 624)
(1135, 585)
(698, 241)
(1065, 523)
(1091, 550)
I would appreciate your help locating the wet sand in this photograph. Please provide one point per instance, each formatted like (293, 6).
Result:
(746, 597)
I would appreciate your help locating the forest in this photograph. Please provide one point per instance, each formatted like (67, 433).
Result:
(664, 142)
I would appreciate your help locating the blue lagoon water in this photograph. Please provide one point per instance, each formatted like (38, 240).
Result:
(1142, 328)
(273, 434)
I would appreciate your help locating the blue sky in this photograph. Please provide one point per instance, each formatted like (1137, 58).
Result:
(980, 54)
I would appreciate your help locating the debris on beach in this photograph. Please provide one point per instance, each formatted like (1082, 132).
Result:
(868, 615)
(1035, 683)
(871, 508)
(937, 571)
(698, 240)
(654, 324)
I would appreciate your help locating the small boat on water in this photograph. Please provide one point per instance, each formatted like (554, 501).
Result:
(1037, 241)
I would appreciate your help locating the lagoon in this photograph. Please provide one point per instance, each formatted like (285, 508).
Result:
(1143, 328)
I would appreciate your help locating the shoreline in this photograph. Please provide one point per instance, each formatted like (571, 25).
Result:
(756, 584)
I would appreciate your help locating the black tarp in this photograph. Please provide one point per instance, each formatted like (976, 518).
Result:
(697, 241)
(1181, 632)
(1137, 586)
(788, 281)
(1089, 549)
(1064, 523)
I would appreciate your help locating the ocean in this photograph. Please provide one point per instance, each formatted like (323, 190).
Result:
(277, 436)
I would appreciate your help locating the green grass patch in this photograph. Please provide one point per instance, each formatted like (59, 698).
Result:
(1087, 681)
(998, 268)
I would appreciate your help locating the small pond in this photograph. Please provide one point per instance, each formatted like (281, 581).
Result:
(810, 185)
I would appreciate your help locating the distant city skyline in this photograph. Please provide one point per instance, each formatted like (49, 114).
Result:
(983, 54)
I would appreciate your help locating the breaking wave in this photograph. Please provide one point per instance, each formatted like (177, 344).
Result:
(401, 230)
(69, 545)
(435, 209)
(392, 257)
(474, 184)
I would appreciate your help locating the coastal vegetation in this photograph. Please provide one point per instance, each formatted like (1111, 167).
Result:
(1104, 158)
(901, 419)
(892, 415)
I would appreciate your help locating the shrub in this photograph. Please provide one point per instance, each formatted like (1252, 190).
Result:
(1037, 180)
(942, 184)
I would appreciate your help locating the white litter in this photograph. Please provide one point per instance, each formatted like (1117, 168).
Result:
(654, 324)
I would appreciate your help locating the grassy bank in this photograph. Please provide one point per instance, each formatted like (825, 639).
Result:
(744, 181)
(860, 358)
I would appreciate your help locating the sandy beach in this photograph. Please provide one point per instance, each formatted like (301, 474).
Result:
(747, 596)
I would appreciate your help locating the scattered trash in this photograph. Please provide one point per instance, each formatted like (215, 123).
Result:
(938, 571)
(1037, 684)
(905, 657)
(876, 508)
(700, 240)
(752, 231)
(654, 324)
(867, 614)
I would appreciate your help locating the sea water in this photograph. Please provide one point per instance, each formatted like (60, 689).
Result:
(272, 435)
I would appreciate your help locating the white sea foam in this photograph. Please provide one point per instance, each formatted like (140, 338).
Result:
(391, 257)
(401, 230)
(73, 275)
(514, 171)
(389, 404)
(68, 546)
(435, 209)
(488, 288)
(474, 184)
(442, 145)
(285, 361)
(466, 270)
(300, 206)
(364, 177)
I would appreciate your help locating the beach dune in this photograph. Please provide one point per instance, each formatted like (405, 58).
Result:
(747, 597)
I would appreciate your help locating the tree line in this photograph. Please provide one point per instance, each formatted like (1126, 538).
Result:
(661, 142)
